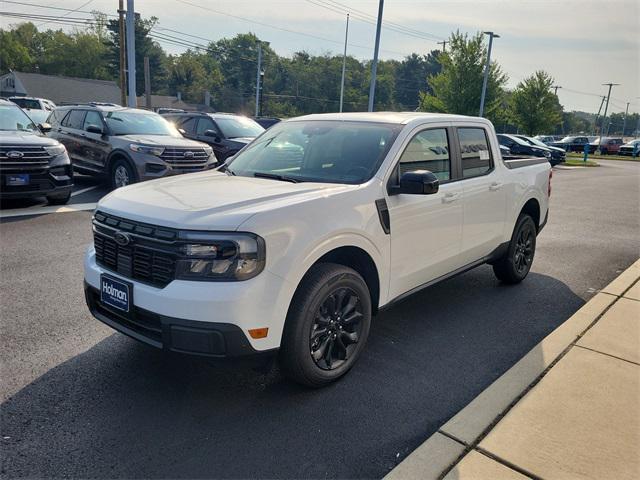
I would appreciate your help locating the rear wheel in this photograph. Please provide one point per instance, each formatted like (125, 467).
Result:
(327, 325)
(514, 266)
(121, 174)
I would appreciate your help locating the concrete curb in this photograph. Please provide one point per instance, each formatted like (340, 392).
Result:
(462, 434)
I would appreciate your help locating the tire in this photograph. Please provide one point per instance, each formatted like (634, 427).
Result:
(59, 199)
(514, 266)
(121, 174)
(330, 309)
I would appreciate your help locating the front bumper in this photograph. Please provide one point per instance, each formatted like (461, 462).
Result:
(202, 318)
(41, 182)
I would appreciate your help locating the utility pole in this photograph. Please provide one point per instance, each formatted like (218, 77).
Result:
(444, 45)
(595, 123)
(486, 70)
(131, 53)
(344, 63)
(606, 107)
(555, 89)
(147, 82)
(624, 123)
(258, 72)
(123, 80)
(374, 65)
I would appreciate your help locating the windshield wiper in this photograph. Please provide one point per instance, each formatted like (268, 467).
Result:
(275, 176)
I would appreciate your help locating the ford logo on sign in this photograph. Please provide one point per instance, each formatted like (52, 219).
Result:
(122, 239)
(14, 154)
(188, 154)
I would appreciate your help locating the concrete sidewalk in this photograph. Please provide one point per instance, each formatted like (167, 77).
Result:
(569, 409)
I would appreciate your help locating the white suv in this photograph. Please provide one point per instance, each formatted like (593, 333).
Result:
(307, 232)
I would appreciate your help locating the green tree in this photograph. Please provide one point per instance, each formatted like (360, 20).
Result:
(13, 54)
(458, 87)
(534, 107)
(193, 74)
(411, 78)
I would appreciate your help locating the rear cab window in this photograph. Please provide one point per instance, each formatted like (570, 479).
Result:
(475, 152)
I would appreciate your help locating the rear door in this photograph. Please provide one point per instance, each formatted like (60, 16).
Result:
(483, 190)
(426, 230)
(70, 134)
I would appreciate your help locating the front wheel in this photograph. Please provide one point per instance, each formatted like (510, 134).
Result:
(515, 264)
(327, 325)
(121, 174)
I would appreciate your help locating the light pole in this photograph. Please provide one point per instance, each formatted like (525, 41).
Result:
(624, 123)
(374, 65)
(344, 62)
(258, 74)
(486, 70)
(555, 89)
(132, 101)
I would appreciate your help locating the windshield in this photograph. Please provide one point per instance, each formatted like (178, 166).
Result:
(317, 151)
(13, 118)
(138, 123)
(237, 127)
(27, 103)
(38, 116)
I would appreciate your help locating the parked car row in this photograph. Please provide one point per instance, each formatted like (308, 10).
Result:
(523, 145)
(122, 145)
(605, 145)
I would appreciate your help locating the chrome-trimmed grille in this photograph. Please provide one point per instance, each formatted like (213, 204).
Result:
(179, 157)
(149, 258)
(32, 157)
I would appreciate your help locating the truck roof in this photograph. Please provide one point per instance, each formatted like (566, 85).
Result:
(385, 117)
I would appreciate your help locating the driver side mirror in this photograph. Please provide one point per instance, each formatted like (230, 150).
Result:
(44, 127)
(94, 129)
(214, 134)
(182, 131)
(418, 182)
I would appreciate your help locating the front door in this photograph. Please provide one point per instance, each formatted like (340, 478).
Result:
(93, 147)
(206, 124)
(426, 230)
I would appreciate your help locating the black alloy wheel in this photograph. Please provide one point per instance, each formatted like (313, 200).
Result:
(336, 329)
(523, 255)
(514, 265)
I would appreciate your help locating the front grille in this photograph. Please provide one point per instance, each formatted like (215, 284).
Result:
(185, 158)
(150, 257)
(32, 157)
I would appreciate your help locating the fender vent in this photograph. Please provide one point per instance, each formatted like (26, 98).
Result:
(383, 215)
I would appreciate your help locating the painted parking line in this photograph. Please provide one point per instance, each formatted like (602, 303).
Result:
(24, 212)
(84, 190)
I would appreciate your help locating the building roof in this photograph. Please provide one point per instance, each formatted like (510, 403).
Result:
(62, 90)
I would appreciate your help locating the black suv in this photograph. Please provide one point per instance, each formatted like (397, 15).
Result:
(226, 133)
(31, 165)
(126, 145)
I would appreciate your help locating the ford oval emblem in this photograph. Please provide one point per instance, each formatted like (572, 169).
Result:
(188, 154)
(15, 154)
(122, 239)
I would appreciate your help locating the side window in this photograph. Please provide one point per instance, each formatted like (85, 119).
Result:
(428, 150)
(474, 152)
(92, 118)
(74, 119)
(189, 125)
(205, 124)
(54, 118)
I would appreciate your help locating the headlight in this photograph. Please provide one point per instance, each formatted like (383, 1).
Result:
(55, 150)
(151, 150)
(219, 256)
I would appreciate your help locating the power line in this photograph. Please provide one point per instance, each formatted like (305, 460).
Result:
(70, 12)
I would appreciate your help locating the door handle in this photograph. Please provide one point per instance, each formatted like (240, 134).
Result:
(450, 197)
(495, 186)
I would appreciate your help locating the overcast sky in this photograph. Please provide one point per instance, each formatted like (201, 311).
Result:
(581, 43)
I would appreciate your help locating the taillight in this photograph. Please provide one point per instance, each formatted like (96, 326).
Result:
(550, 177)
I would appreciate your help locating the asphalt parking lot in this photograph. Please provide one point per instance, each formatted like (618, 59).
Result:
(79, 400)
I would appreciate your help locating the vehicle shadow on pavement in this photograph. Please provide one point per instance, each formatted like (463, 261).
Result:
(125, 410)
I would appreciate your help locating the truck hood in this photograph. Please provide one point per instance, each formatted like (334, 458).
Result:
(14, 137)
(160, 140)
(209, 200)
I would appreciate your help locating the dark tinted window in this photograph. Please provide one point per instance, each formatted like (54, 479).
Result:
(188, 125)
(74, 119)
(92, 118)
(27, 103)
(474, 150)
(428, 150)
(205, 124)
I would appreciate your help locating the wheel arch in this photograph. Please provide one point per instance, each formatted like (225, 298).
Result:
(120, 155)
(532, 208)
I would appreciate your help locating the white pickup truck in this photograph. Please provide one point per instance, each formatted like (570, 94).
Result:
(318, 224)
